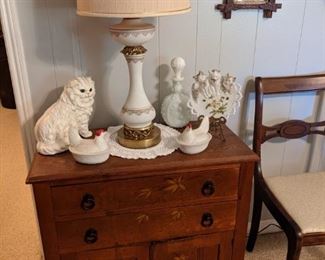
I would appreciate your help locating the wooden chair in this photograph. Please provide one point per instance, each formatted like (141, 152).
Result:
(296, 202)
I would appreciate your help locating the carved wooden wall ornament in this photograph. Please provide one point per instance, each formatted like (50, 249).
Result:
(268, 6)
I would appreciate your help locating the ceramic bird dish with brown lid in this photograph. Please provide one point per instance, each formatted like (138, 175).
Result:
(89, 151)
(193, 141)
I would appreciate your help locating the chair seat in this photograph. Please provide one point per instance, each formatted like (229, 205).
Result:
(303, 197)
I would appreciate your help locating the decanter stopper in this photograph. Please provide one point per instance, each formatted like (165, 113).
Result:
(178, 64)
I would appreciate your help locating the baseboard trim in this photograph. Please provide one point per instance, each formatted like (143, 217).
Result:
(264, 223)
(19, 74)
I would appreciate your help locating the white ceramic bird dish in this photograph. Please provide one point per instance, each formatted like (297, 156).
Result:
(194, 141)
(89, 151)
(196, 147)
(94, 158)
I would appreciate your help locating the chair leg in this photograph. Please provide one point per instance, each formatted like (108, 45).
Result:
(255, 224)
(294, 247)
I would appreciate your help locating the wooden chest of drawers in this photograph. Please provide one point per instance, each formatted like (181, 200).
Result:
(178, 207)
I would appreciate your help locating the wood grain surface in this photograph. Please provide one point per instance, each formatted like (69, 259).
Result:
(123, 209)
(160, 191)
(62, 166)
(145, 225)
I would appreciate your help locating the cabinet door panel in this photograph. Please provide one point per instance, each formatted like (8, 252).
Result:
(209, 247)
(128, 253)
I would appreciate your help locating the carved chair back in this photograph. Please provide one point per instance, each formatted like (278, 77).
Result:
(290, 129)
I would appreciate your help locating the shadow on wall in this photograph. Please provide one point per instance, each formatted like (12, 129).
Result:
(92, 52)
(50, 99)
(100, 58)
(245, 132)
(69, 45)
(319, 113)
(164, 87)
(57, 69)
(50, 31)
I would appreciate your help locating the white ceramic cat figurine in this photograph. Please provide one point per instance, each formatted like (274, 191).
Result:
(72, 109)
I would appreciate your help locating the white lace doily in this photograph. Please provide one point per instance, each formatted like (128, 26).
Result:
(167, 145)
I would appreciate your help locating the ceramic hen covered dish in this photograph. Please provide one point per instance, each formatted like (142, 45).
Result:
(193, 141)
(89, 151)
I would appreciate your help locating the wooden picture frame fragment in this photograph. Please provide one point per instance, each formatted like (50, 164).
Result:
(268, 6)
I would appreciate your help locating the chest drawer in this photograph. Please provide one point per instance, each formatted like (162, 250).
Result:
(100, 198)
(122, 253)
(150, 225)
(206, 247)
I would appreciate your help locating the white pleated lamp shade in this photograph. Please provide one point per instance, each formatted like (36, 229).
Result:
(132, 8)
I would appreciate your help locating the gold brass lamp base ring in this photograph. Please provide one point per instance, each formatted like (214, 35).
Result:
(152, 138)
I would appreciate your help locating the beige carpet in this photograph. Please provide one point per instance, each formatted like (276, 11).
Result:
(18, 226)
(19, 235)
(273, 247)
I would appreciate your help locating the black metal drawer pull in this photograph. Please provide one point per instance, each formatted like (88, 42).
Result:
(207, 220)
(91, 236)
(208, 188)
(88, 202)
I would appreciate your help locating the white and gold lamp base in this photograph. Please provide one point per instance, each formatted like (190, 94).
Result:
(137, 113)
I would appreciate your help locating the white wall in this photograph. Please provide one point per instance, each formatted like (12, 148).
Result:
(59, 45)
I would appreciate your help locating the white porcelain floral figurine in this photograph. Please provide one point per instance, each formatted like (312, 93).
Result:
(174, 108)
(214, 95)
(72, 109)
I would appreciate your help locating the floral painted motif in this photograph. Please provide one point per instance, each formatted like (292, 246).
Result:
(142, 218)
(180, 257)
(175, 184)
(144, 193)
(217, 106)
(177, 214)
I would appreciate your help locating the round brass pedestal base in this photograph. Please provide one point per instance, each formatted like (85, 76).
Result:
(151, 140)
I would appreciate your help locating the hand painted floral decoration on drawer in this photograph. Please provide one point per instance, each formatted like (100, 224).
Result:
(180, 257)
(177, 214)
(142, 218)
(175, 184)
(144, 193)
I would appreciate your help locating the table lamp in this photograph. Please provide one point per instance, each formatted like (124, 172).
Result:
(137, 113)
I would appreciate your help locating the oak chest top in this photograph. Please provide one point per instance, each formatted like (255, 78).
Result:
(62, 167)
